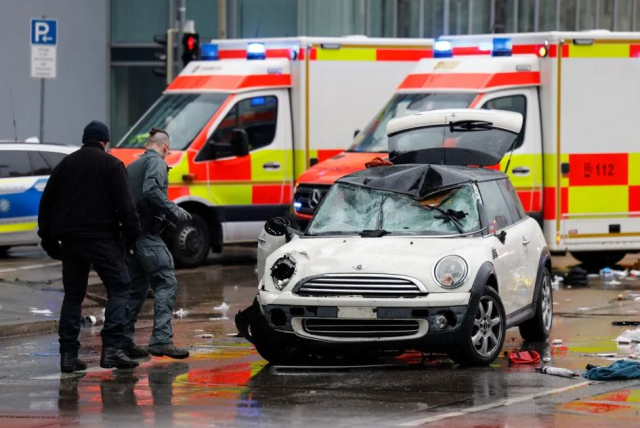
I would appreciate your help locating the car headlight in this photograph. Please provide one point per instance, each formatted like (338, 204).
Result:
(451, 271)
(282, 271)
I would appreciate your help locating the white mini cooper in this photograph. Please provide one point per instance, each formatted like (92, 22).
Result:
(428, 254)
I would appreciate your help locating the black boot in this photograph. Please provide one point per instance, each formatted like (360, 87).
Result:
(70, 363)
(168, 350)
(114, 357)
(136, 351)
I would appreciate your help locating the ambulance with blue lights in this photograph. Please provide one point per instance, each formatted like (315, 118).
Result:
(252, 115)
(576, 165)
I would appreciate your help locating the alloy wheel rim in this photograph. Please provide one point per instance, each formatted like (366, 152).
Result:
(547, 303)
(487, 331)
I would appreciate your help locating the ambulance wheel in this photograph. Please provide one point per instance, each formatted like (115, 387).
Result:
(538, 328)
(482, 337)
(599, 258)
(191, 242)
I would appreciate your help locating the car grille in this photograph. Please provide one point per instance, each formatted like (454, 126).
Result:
(346, 328)
(309, 197)
(359, 285)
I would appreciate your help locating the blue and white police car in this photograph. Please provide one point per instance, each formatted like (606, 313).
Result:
(24, 171)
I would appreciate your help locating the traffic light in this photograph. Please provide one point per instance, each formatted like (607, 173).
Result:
(190, 48)
(161, 55)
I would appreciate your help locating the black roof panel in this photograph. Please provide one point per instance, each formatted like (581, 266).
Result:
(419, 181)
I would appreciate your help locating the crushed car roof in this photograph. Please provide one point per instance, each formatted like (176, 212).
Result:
(419, 181)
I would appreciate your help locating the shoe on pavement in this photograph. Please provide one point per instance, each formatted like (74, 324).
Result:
(70, 363)
(136, 351)
(115, 358)
(168, 350)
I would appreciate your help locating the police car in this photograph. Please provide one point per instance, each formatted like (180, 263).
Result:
(429, 254)
(24, 171)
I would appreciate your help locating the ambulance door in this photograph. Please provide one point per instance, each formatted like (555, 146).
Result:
(525, 168)
(249, 162)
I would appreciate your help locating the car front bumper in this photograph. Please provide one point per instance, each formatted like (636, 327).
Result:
(356, 320)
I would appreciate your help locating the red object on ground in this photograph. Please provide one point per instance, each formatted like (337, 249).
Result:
(524, 357)
(377, 161)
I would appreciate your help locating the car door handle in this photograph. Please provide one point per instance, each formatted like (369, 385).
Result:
(271, 165)
(521, 170)
(525, 241)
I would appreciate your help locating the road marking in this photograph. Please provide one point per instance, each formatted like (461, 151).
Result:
(501, 403)
(42, 265)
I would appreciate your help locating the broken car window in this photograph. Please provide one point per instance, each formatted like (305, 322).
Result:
(349, 209)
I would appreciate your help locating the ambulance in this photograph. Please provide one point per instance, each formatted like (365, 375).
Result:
(252, 115)
(576, 164)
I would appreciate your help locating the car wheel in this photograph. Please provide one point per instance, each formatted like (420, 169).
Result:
(538, 328)
(4, 252)
(482, 338)
(191, 242)
(274, 346)
(598, 259)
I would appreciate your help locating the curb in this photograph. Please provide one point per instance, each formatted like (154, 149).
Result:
(37, 327)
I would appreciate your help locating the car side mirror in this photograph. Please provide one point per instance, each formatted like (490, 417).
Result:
(240, 142)
(502, 236)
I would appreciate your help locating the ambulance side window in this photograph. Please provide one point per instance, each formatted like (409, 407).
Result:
(257, 116)
(515, 103)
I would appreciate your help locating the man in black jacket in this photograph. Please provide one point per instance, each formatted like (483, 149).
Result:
(85, 211)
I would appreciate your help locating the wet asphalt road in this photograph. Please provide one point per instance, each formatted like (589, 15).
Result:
(225, 382)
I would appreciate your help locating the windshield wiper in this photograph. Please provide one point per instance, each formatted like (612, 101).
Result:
(451, 215)
(470, 125)
(375, 233)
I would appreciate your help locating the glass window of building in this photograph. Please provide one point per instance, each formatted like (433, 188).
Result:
(624, 15)
(458, 17)
(526, 16)
(481, 17)
(409, 18)
(265, 18)
(434, 18)
(333, 17)
(381, 17)
(605, 15)
(138, 21)
(204, 14)
(568, 16)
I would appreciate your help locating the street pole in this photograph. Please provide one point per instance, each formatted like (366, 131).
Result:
(222, 19)
(182, 17)
(41, 134)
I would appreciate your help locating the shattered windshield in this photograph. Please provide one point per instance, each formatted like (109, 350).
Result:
(182, 115)
(373, 138)
(350, 210)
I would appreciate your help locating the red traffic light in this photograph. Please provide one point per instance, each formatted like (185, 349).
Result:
(191, 41)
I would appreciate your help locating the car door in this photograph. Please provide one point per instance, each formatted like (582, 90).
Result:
(525, 167)
(19, 198)
(507, 255)
(250, 189)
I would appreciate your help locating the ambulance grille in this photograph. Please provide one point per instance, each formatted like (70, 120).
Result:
(309, 198)
(357, 328)
(360, 285)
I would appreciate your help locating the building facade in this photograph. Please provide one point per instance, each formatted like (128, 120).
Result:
(106, 50)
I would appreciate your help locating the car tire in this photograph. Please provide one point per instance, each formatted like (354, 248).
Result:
(272, 345)
(191, 242)
(599, 259)
(4, 252)
(482, 337)
(538, 328)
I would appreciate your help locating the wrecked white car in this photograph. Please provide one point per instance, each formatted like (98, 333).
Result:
(428, 254)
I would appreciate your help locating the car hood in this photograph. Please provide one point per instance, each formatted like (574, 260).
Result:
(415, 257)
(330, 170)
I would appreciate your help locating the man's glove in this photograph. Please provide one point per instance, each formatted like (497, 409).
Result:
(52, 248)
(183, 215)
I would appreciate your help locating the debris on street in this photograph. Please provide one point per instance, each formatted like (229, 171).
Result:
(557, 342)
(557, 371)
(45, 312)
(181, 313)
(524, 357)
(620, 370)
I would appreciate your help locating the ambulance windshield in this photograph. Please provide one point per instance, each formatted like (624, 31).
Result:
(182, 115)
(374, 137)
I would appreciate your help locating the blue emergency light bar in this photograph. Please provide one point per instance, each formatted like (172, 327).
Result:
(209, 52)
(502, 47)
(442, 49)
(256, 51)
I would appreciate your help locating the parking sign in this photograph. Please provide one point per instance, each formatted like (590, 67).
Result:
(44, 41)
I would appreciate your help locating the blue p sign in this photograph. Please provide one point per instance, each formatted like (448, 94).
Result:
(44, 32)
